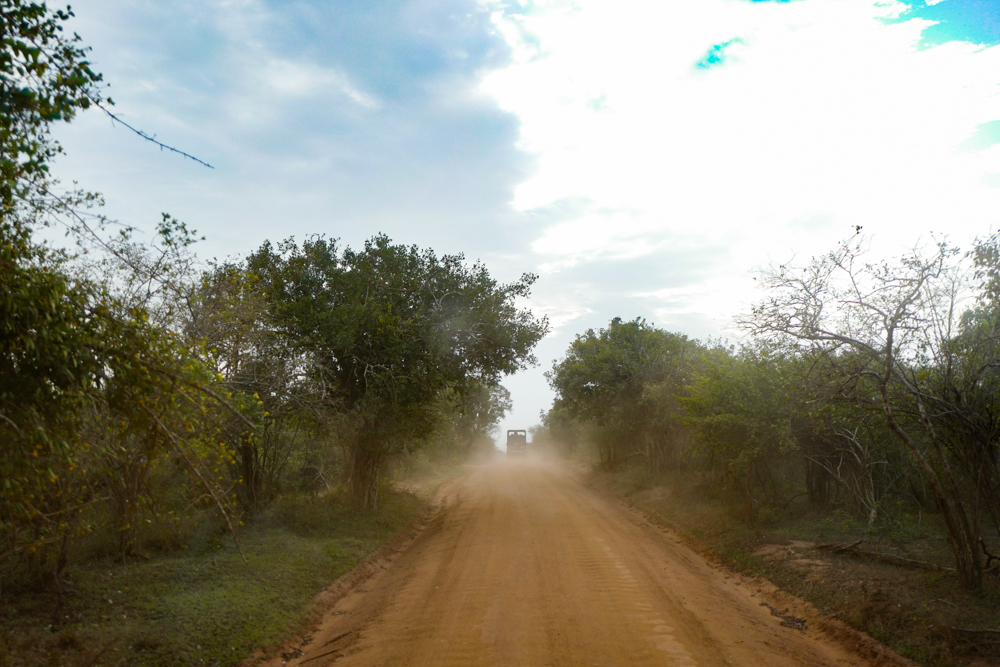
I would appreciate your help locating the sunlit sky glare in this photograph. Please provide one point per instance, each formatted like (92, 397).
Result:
(642, 157)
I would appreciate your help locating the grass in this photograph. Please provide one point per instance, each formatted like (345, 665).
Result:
(911, 610)
(202, 606)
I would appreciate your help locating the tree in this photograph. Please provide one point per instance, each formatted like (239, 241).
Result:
(478, 410)
(966, 391)
(621, 379)
(388, 328)
(86, 376)
(897, 323)
(56, 340)
(44, 77)
(266, 373)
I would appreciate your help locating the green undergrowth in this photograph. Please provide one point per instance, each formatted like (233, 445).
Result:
(203, 605)
(914, 611)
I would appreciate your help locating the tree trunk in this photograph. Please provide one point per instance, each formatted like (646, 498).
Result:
(248, 491)
(819, 483)
(748, 491)
(362, 479)
(961, 537)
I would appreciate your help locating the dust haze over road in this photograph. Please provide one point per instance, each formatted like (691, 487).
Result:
(524, 565)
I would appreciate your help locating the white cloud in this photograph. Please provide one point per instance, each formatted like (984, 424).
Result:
(561, 311)
(597, 233)
(822, 117)
(268, 82)
(300, 79)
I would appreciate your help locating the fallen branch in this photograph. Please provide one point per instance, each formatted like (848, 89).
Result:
(838, 547)
(973, 631)
(853, 550)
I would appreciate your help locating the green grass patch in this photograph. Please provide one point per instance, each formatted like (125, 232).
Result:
(202, 606)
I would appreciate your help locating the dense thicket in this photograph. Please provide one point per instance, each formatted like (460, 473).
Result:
(623, 381)
(872, 385)
(380, 334)
(143, 394)
(99, 401)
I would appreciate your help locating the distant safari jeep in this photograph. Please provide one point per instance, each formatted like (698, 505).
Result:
(517, 443)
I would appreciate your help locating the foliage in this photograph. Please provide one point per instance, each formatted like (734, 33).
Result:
(95, 386)
(476, 413)
(889, 331)
(92, 393)
(44, 77)
(741, 410)
(227, 311)
(383, 331)
(867, 386)
(559, 432)
(622, 379)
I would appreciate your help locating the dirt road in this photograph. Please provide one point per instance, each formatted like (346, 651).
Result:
(524, 565)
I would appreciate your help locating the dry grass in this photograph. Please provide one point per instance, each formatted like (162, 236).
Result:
(913, 611)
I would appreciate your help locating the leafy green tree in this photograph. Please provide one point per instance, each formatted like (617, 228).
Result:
(56, 338)
(622, 379)
(387, 329)
(68, 356)
(558, 431)
(261, 367)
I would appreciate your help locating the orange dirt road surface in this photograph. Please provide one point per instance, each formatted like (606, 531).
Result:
(524, 565)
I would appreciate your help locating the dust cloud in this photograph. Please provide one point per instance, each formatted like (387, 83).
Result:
(522, 564)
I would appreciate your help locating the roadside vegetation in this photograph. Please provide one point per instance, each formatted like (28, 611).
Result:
(201, 603)
(847, 449)
(193, 450)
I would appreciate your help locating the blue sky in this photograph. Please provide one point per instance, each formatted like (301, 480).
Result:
(643, 157)
(973, 21)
